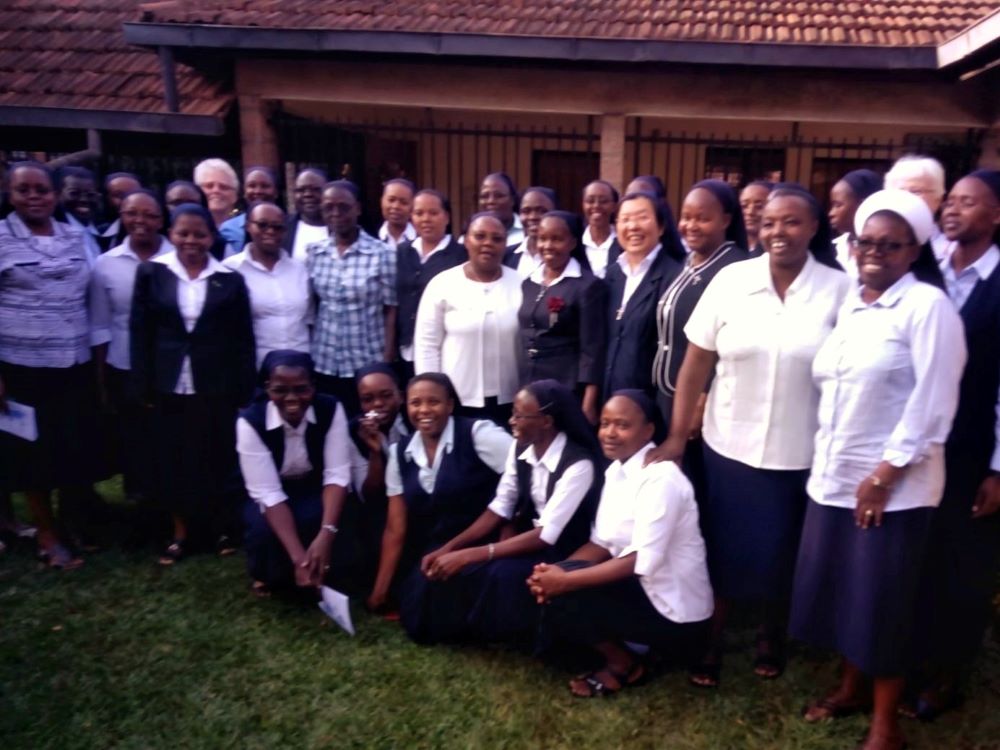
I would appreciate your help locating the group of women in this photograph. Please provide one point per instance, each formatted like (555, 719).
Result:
(638, 423)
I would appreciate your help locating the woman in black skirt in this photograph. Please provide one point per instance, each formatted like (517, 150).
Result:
(563, 314)
(888, 376)
(542, 512)
(193, 357)
(757, 327)
(642, 576)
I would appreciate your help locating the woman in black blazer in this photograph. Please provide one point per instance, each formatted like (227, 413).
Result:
(563, 315)
(636, 281)
(193, 361)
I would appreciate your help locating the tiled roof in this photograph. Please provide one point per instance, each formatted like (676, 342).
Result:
(72, 54)
(888, 23)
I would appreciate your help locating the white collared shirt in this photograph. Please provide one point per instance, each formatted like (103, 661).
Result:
(409, 235)
(490, 441)
(939, 243)
(961, 284)
(571, 271)
(650, 511)
(762, 405)
(305, 235)
(553, 512)
(634, 277)
(888, 376)
(359, 464)
(469, 331)
(526, 262)
(280, 301)
(261, 476)
(191, 295)
(597, 253)
(112, 283)
(845, 255)
(90, 235)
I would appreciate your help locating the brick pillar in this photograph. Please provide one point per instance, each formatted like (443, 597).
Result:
(613, 149)
(258, 139)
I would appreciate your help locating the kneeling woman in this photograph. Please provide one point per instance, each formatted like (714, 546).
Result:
(293, 454)
(439, 480)
(545, 503)
(642, 576)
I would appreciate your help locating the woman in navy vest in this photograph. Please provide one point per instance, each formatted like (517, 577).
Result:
(642, 577)
(438, 481)
(542, 511)
(292, 445)
(965, 533)
(418, 261)
(563, 314)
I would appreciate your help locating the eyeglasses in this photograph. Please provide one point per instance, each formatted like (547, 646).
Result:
(866, 246)
(265, 226)
(286, 390)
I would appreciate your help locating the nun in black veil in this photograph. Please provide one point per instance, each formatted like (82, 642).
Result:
(542, 511)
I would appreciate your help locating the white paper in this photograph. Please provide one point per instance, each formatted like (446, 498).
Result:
(336, 606)
(19, 421)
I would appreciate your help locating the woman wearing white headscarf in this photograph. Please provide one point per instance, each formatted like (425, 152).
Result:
(888, 376)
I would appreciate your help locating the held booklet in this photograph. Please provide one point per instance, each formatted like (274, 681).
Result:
(19, 420)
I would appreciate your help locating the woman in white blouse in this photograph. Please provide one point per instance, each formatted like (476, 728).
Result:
(292, 446)
(467, 324)
(280, 301)
(600, 202)
(642, 576)
(888, 377)
(758, 326)
(111, 285)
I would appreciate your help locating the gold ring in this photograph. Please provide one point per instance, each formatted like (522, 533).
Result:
(869, 512)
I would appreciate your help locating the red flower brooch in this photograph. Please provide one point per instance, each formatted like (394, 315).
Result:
(555, 305)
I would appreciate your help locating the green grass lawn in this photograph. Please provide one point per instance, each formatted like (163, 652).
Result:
(122, 654)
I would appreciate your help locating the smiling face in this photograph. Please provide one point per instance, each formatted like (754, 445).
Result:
(428, 407)
(885, 249)
(190, 234)
(534, 205)
(703, 223)
(397, 203)
(485, 243)
(495, 196)
(843, 205)
(259, 187)
(291, 390)
(623, 429)
(598, 205)
(219, 189)
(787, 226)
(922, 186)
(430, 220)
(79, 197)
(266, 226)
(637, 228)
(32, 195)
(528, 423)
(971, 212)
(340, 211)
(377, 392)
(307, 194)
(752, 200)
(555, 243)
(141, 218)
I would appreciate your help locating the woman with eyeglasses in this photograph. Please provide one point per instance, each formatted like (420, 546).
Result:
(293, 452)
(280, 300)
(888, 378)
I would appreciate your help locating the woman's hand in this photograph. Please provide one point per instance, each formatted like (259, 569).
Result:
(668, 450)
(369, 433)
(987, 500)
(589, 404)
(547, 582)
(449, 564)
(871, 502)
(428, 560)
(316, 561)
(301, 572)
(376, 600)
(699, 417)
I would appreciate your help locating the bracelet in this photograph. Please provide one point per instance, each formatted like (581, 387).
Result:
(492, 549)
(329, 527)
(878, 483)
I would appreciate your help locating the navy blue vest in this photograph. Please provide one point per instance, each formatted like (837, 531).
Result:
(970, 444)
(324, 407)
(577, 531)
(464, 487)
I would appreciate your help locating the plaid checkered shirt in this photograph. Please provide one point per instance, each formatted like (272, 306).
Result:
(352, 290)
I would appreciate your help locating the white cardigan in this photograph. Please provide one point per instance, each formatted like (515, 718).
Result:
(450, 335)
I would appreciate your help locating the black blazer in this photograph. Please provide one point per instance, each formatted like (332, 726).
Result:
(221, 346)
(412, 277)
(569, 348)
(632, 332)
(510, 258)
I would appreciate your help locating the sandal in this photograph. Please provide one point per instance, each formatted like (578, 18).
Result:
(260, 589)
(173, 554)
(225, 546)
(58, 557)
(769, 664)
(707, 673)
(601, 688)
(830, 710)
